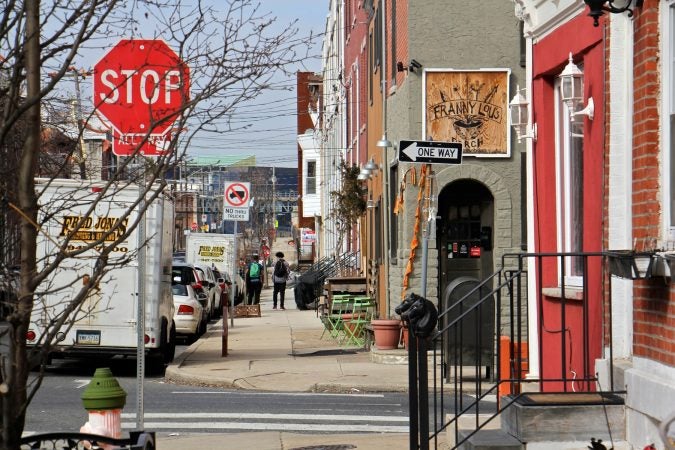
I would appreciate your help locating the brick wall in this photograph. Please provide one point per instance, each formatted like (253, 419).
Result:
(653, 303)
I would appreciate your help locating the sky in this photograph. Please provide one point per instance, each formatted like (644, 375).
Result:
(272, 137)
(269, 119)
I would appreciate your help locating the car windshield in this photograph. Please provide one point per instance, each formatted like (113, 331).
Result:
(179, 289)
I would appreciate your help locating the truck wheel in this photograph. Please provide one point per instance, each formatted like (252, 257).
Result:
(154, 365)
(170, 347)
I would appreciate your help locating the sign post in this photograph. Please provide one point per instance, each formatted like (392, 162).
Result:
(140, 87)
(236, 203)
(429, 152)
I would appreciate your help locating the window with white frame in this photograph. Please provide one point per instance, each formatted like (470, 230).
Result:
(669, 151)
(310, 183)
(569, 191)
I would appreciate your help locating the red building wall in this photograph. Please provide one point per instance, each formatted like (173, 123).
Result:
(653, 301)
(549, 59)
(355, 76)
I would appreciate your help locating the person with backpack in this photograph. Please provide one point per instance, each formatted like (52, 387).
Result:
(254, 282)
(279, 277)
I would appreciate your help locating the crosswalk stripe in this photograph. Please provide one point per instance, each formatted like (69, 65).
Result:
(346, 428)
(312, 417)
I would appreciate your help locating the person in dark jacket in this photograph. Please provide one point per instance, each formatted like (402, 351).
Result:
(254, 280)
(279, 277)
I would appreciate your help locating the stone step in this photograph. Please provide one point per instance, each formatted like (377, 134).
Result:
(565, 417)
(491, 440)
(542, 421)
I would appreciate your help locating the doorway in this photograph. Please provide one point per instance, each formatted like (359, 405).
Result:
(465, 231)
(465, 237)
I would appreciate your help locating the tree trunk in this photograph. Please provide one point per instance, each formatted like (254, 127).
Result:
(14, 404)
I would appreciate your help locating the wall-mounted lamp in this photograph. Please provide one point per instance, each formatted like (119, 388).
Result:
(370, 204)
(371, 166)
(519, 112)
(412, 67)
(384, 142)
(597, 8)
(364, 175)
(572, 90)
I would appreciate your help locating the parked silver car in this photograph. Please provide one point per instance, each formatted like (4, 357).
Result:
(190, 311)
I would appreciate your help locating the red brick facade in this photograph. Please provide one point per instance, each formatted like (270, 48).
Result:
(653, 301)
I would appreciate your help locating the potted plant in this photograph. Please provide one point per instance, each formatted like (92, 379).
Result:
(387, 333)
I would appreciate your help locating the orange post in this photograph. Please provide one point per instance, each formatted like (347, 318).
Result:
(509, 353)
(504, 371)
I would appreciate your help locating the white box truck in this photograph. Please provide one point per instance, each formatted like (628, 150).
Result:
(106, 322)
(215, 249)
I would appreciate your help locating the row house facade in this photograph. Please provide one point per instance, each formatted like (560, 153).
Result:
(600, 179)
(590, 174)
(410, 72)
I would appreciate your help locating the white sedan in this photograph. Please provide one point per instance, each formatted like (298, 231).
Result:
(190, 312)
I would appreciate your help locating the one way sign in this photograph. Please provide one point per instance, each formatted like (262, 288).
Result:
(430, 152)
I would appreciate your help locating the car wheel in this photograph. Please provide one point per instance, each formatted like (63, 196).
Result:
(219, 309)
(214, 312)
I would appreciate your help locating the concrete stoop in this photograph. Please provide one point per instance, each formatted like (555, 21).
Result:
(393, 356)
(491, 440)
(551, 421)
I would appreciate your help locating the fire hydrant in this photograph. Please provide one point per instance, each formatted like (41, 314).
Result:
(104, 399)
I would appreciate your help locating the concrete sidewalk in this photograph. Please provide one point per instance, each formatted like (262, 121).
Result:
(283, 351)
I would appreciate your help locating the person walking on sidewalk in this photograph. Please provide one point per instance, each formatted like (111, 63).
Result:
(254, 283)
(279, 277)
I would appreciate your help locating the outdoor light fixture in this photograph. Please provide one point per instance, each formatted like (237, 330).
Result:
(371, 166)
(572, 90)
(519, 112)
(597, 8)
(384, 142)
(364, 174)
(412, 67)
(370, 204)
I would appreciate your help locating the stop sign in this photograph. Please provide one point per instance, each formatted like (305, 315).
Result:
(141, 86)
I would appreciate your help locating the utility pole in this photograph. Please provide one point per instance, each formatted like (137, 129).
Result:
(274, 205)
(78, 116)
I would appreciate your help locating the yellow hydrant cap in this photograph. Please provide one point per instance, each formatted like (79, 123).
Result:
(103, 392)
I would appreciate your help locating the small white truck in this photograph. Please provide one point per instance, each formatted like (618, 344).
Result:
(106, 322)
(216, 249)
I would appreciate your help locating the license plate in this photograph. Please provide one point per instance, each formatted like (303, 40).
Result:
(88, 337)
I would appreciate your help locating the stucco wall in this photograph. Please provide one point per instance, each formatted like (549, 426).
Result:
(450, 35)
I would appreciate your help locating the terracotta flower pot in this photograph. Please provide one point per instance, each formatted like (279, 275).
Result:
(387, 333)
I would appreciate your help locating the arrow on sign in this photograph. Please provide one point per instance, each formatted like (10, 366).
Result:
(430, 152)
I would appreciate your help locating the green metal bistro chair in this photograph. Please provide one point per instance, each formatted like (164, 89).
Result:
(363, 309)
(333, 321)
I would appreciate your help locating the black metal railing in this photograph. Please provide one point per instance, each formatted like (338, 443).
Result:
(477, 373)
(137, 440)
(310, 284)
